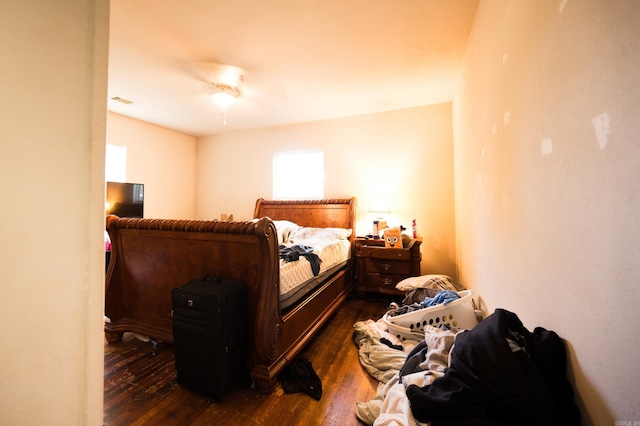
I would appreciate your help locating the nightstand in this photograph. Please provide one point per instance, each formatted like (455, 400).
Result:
(379, 268)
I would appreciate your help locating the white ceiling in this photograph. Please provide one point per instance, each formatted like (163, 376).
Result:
(302, 60)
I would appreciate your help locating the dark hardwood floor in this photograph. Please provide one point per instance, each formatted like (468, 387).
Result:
(140, 386)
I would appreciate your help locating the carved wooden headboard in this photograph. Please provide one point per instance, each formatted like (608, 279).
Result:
(330, 213)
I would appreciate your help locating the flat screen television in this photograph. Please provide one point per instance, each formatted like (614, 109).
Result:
(125, 199)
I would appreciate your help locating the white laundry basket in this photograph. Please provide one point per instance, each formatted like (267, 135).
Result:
(457, 314)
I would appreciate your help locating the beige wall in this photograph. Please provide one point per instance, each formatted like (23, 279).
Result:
(408, 151)
(547, 182)
(52, 122)
(162, 159)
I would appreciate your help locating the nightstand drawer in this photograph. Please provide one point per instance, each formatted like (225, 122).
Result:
(385, 253)
(383, 266)
(383, 280)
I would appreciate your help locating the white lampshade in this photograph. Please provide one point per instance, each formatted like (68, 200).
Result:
(379, 204)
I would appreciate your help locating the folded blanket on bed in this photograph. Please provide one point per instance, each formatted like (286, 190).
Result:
(491, 380)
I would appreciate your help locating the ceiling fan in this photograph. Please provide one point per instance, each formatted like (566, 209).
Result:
(225, 83)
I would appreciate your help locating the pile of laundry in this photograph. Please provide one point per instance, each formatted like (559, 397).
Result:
(442, 298)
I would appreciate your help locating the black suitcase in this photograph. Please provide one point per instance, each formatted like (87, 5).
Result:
(209, 341)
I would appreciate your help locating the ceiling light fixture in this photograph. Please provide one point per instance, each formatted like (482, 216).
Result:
(224, 95)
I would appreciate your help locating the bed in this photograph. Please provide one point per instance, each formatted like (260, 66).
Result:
(149, 257)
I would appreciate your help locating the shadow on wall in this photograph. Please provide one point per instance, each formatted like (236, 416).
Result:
(600, 406)
(435, 257)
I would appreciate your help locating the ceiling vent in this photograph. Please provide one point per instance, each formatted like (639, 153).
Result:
(121, 100)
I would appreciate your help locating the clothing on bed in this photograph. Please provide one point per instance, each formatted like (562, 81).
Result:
(297, 278)
(293, 253)
(487, 380)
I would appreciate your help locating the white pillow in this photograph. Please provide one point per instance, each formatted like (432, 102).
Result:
(434, 281)
(285, 228)
(306, 233)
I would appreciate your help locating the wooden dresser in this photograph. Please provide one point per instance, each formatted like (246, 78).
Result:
(379, 269)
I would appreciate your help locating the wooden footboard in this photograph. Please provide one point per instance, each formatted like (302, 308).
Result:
(152, 256)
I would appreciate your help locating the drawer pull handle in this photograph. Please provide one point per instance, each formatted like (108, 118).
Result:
(386, 266)
(387, 281)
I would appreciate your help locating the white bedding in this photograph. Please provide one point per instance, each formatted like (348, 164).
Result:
(297, 278)
(331, 245)
(331, 253)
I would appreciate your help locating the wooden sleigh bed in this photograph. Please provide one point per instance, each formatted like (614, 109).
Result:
(151, 256)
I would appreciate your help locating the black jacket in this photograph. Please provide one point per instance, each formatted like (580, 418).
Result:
(500, 373)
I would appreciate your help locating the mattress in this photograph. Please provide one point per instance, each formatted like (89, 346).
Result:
(297, 278)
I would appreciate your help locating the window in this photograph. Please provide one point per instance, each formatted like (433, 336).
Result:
(115, 163)
(298, 175)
